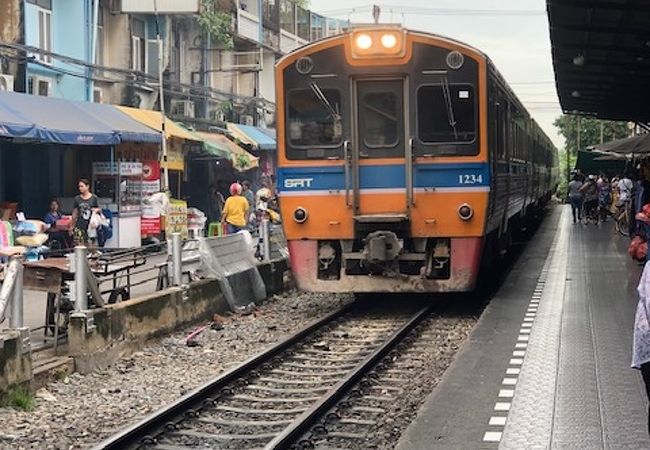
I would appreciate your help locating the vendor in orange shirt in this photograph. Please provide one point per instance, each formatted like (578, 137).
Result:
(235, 210)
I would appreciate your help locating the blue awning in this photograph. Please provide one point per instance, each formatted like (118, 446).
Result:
(58, 121)
(252, 136)
(14, 125)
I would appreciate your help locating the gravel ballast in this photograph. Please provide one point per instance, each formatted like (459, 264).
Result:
(79, 410)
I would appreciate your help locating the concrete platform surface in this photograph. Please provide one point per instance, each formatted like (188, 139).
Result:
(548, 364)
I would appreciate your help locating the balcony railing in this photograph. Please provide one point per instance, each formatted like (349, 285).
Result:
(163, 6)
(248, 25)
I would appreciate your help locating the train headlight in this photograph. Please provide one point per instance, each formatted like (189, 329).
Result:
(384, 42)
(300, 215)
(465, 212)
(389, 41)
(364, 41)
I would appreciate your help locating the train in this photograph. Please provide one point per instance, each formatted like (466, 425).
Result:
(406, 163)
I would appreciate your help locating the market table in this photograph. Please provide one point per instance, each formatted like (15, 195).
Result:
(51, 274)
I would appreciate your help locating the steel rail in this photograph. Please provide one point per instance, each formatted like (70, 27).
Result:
(302, 423)
(154, 424)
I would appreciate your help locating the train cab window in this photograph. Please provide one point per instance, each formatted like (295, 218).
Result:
(379, 119)
(312, 121)
(446, 114)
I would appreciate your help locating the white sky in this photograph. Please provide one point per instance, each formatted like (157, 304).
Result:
(519, 43)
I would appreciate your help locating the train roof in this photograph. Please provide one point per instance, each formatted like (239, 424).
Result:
(470, 49)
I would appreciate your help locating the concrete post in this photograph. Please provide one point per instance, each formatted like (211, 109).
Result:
(266, 241)
(177, 259)
(81, 265)
(16, 319)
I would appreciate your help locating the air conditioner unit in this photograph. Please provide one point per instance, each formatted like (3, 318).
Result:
(183, 108)
(247, 119)
(6, 83)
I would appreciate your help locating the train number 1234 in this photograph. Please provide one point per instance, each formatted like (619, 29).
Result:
(470, 178)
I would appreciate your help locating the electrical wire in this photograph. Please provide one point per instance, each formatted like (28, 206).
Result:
(133, 78)
(429, 11)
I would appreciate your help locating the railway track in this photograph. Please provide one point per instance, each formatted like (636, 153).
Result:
(286, 392)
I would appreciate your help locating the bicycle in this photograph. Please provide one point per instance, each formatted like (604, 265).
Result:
(623, 218)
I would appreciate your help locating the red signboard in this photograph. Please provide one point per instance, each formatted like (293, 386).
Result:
(150, 222)
(150, 226)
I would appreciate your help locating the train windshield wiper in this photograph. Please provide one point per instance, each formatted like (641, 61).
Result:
(451, 118)
(325, 102)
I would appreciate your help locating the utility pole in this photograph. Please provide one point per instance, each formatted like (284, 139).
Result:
(602, 126)
(376, 12)
(568, 168)
(161, 98)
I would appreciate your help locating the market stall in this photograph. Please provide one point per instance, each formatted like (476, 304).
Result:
(260, 141)
(179, 143)
(46, 144)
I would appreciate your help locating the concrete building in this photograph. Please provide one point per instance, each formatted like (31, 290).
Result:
(107, 51)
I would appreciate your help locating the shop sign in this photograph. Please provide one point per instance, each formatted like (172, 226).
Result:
(175, 157)
(126, 168)
(151, 211)
(176, 220)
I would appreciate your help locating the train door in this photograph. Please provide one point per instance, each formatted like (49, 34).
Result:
(381, 175)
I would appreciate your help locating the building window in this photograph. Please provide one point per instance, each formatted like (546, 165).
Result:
(99, 44)
(44, 29)
(38, 86)
(138, 45)
(98, 96)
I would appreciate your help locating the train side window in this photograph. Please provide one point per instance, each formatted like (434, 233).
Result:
(311, 121)
(446, 113)
(379, 119)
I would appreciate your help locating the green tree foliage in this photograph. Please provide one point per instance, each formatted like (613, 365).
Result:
(217, 23)
(589, 131)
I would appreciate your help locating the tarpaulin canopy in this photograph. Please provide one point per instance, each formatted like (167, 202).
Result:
(153, 119)
(636, 144)
(252, 136)
(222, 147)
(596, 162)
(59, 121)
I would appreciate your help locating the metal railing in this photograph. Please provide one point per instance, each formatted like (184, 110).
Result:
(11, 293)
(118, 275)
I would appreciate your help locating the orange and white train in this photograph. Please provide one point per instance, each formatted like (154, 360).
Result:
(404, 161)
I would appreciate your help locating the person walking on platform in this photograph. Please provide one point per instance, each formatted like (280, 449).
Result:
(604, 198)
(641, 343)
(235, 210)
(590, 192)
(575, 197)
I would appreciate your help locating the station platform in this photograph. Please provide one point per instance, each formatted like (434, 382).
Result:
(548, 364)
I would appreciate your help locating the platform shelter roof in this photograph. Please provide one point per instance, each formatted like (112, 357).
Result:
(601, 56)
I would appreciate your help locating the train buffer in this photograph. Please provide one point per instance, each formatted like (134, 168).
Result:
(548, 364)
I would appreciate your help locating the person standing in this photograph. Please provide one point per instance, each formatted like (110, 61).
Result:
(575, 197)
(264, 193)
(235, 210)
(625, 186)
(641, 341)
(590, 192)
(247, 193)
(84, 205)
